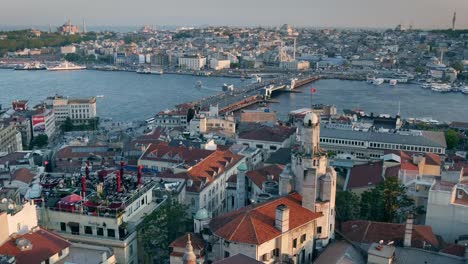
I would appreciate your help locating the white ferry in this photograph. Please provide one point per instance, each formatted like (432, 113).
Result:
(33, 66)
(66, 66)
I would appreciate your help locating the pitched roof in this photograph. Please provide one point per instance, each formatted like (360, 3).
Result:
(259, 176)
(23, 175)
(364, 175)
(368, 232)
(274, 133)
(197, 242)
(239, 258)
(454, 249)
(177, 154)
(255, 224)
(44, 245)
(281, 156)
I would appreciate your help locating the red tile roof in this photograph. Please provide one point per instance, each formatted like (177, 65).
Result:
(368, 232)
(207, 170)
(268, 133)
(197, 242)
(255, 224)
(365, 175)
(23, 175)
(261, 175)
(175, 154)
(44, 245)
(454, 249)
(238, 259)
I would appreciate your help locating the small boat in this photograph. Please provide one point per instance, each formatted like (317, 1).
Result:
(33, 66)
(465, 90)
(143, 71)
(66, 66)
(426, 85)
(370, 80)
(228, 87)
(441, 87)
(100, 96)
(393, 82)
(378, 81)
(158, 72)
(198, 84)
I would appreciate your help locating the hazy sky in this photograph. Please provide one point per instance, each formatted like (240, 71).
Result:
(327, 13)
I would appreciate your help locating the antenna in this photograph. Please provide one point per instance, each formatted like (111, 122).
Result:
(294, 52)
(454, 20)
(398, 108)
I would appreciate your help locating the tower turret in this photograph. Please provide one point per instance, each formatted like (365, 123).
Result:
(189, 256)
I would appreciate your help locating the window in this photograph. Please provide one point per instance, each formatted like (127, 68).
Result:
(63, 226)
(276, 252)
(110, 232)
(260, 146)
(226, 254)
(100, 231)
(303, 238)
(319, 230)
(273, 148)
(60, 254)
(265, 257)
(88, 230)
(295, 243)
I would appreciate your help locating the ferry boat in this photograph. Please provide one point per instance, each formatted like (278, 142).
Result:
(33, 66)
(441, 87)
(157, 71)
(465, 90)
(228, 87)
(378, 81)
(393, 82)
(66, 66)
(426, 85)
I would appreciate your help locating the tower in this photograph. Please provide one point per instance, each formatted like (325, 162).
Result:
(189, 257)
(454, 20)
(84, 26)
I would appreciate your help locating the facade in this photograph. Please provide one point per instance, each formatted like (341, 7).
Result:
(10, 138)
(294, 65)
(447, 207)
(269, 232)
(268, 138)
(44, 123)
(77, 219)
(80, 111)
(172, 118)
(67, 49)
(369, 144)
(217, 64)
(23, 125)
(195, 62)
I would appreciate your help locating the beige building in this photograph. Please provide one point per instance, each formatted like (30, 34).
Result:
(79, 110)
(217, 64)
(10, 138)
(294, 65)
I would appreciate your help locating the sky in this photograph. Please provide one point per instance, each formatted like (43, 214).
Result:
(314, 13)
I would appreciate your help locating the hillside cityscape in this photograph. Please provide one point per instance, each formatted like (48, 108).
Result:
(230, 144)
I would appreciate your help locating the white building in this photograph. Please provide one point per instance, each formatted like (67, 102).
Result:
(217, 64)
(44, 123)
(294, 65)
(79, 110)
(447, 206)
(195, 62)
(10, 138)
(67, 49)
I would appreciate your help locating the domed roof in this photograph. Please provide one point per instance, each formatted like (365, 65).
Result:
(312, 117)
(242, 167)
(201, 214)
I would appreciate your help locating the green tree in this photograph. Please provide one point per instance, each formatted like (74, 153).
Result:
(72, 57)
(41, 140)
(67, 125)
(458, 66)
(347, 206)
(452, 138)
(161, 227)
(387, 202)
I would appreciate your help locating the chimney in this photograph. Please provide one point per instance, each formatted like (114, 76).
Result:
(140, 168)
(408, 231)
(83, 186)
(282, 218)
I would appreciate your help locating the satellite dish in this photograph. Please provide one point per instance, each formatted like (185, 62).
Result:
(381, 242)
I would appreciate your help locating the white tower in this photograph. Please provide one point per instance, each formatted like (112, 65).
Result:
(189, 257)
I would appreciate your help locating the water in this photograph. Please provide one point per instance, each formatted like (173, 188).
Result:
(380, 99)
(131, 96)
(127, 95)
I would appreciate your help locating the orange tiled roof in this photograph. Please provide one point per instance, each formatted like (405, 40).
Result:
(255, 224)
(44, 245)
(261, 175)
(23, 175)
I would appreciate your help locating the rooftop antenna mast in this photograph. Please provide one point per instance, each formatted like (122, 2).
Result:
(454, 20)
(294, 51)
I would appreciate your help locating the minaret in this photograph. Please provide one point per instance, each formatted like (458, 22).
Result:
(454, 20)
(84, 26)
(189, 257)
